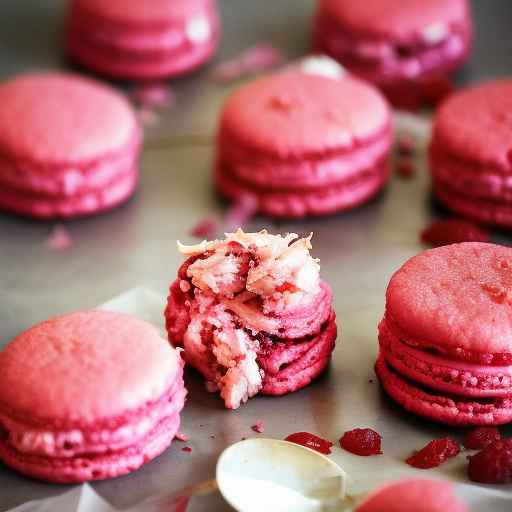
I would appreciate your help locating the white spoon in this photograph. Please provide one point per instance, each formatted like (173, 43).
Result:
(266, 474)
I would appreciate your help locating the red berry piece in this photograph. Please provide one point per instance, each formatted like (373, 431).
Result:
(453, 231)
(493, 465)
(311, 441)
(362, 441)
(434, 454)
(405, 169)
(406, 145)
(481, 437)
(259, 427)
(186, 449)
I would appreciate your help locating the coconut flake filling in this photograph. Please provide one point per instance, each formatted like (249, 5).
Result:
(240, 284)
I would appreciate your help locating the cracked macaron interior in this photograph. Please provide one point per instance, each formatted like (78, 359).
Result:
(252, 314)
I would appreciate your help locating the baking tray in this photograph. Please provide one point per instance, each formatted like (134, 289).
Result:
(135, 246)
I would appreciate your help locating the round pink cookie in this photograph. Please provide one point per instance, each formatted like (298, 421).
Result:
(446, 336)
(420, 495)
(130, 40)
(68, 146)
(401, 45)
(470, 154)
(87, 396)
(304, 143)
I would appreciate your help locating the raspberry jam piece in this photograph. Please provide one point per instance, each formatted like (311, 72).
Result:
(311, 441)
(493, 465)
(481, 437)
(259, 427)
(453, 231)
(405, 169)
(362, 441)
(406, 145)
(434, 454)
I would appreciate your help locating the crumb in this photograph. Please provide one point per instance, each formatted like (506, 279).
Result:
(258, 427)
(186, 449)
(153, 94)
(59, 239)
(205, 228)
(451, 231)
(406, 144)
(147, 117)
(405, 168)
(362, 441)
(370, 381)
(182, 437)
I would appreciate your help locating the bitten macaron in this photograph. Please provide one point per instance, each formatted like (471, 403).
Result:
(310, 140)
(252, 314)
(446, 336)
(88, 396)
(130, 39)
(471, 153)
(406, 47)
(69, 146)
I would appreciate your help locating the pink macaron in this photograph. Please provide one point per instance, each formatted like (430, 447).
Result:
(416, 494)
(446, 336)
(471, 153)
(88, 396)
(252, 314)
(69, 146)
(310, 140)
(129, 39)
(404, 46)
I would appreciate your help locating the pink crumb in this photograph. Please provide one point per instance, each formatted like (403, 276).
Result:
(186, 449)
(153, 94)
(240, 213)
(258, 427)
(406, 144)
(147, 117)
(258, 58)
(180, 436)
(451, 231)
(405, 168)
(59, 239)
(205, 228)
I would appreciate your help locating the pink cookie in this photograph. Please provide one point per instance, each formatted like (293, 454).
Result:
(446, 337)
(470, 153)
(137, 40)
(307, 141)
(403, 46)
(252, 314)
(69, 146)
(88, 396)
(416, 495)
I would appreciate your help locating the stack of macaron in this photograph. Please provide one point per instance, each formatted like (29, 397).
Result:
(130, 39)
(69, 146)
(401, 45)
(471, 153)
(252, 314)
(309, 140)
(88, 396)
(446, 337)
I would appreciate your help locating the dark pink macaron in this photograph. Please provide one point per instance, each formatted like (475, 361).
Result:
(471, 153)
(130, 39)
(69, 146)
(88, 396)
(446, 336)
(252, 314)
(403, 46)
(307, 141)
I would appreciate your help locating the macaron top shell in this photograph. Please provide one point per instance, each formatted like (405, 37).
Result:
(295, 113)
(53, 118)
(476, 124)
(85, 366)
(395, 19)
(457, 297)
(413, 494)
(137, 12)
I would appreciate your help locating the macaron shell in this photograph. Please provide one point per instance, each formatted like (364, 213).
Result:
(449, 298)
(475, 125)
(443, 409)
(394, 19)
(56, 118)
(413, 494)
(77, 369)
(296, 114)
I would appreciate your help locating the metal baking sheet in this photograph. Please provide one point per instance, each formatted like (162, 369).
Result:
(135, 245)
